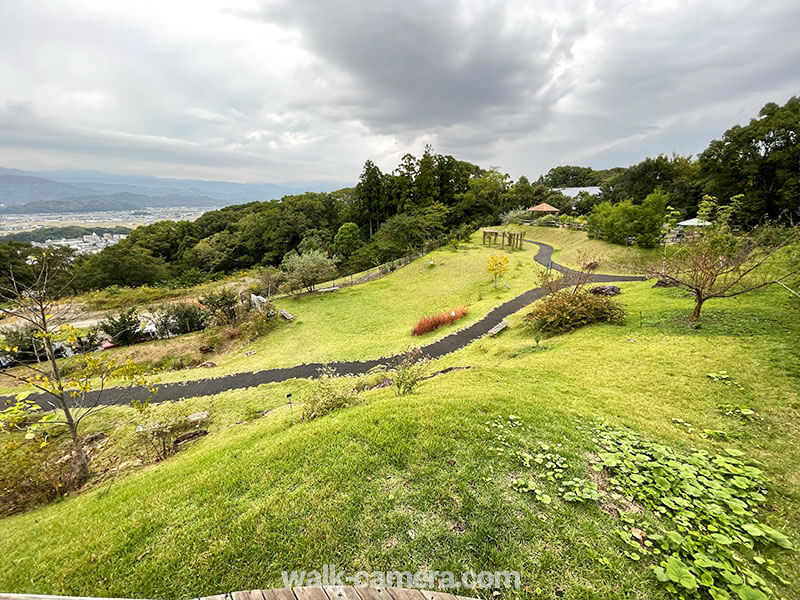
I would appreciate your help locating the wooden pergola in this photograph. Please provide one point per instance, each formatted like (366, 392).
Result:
(490, 237)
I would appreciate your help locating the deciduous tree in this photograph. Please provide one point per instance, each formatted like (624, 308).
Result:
(719, 262)
(74, 386)
(761, 160)
(497, 266)
(308, 268)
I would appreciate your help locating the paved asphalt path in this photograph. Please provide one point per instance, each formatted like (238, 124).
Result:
(446, 345)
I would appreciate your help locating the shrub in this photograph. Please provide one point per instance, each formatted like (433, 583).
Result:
(159, 427)
(534, 328)
(292, 286)
(28, 477)
(308, 268)
(329, 392)
(123, 329)
(179, 318)
(428, 324)
(259, 322)
(87, 342)
(23, 338)
(566, 310)
(517, 216)
(270, 280)
(222, 303)
(191, 277)
(188, 317)
(409, 371)
(546, 221)
(374, 378)
(464, 231)
(214, 341)
(173, 362)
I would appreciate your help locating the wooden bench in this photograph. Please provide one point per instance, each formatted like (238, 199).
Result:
(286, 315)
(498, 328)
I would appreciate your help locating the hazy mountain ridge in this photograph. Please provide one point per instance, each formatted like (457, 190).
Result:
(110, 203)
(20, 189)
(25, 192)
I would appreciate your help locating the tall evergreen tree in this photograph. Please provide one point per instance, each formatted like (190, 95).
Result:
(368, 194)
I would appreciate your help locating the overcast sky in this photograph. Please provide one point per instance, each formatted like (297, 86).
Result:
(291, 90)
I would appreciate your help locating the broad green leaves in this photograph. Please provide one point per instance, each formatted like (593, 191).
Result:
(679, 573)
(710, 501)
(707, 506)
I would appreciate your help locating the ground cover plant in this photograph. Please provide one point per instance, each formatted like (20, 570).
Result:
(703, 518)
(711, 505)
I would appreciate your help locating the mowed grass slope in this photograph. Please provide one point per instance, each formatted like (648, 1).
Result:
(570, 244)
(414, 482)
(369, 320)
(375, 319)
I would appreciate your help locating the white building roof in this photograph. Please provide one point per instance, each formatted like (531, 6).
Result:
(693, 223)
(573, 192)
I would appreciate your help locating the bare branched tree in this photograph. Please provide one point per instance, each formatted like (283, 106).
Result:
(718, 262)
(74, 386)
(553, 280)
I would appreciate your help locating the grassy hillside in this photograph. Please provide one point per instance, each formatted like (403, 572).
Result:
(365, 321)
(403, 482)
(376, 318)
(570, 244)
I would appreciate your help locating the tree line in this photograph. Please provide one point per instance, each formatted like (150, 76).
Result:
(390, 214)
(755, 167)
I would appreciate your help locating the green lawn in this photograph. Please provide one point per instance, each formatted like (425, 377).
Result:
(368, 320)
(375, 319)
(571, 243)
(408, 482)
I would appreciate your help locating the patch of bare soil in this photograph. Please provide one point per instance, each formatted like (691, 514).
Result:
(609, 505)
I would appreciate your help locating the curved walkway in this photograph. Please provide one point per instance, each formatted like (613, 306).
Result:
(446, 345)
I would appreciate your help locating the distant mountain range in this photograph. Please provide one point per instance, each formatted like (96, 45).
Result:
(27, 192)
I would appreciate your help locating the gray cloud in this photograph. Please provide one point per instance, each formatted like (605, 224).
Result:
(305, 90)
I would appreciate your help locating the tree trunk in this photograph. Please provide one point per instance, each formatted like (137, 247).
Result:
(82, 461)
(82, 465)
(698, 306)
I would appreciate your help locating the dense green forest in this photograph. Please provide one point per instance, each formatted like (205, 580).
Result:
(426, 199)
